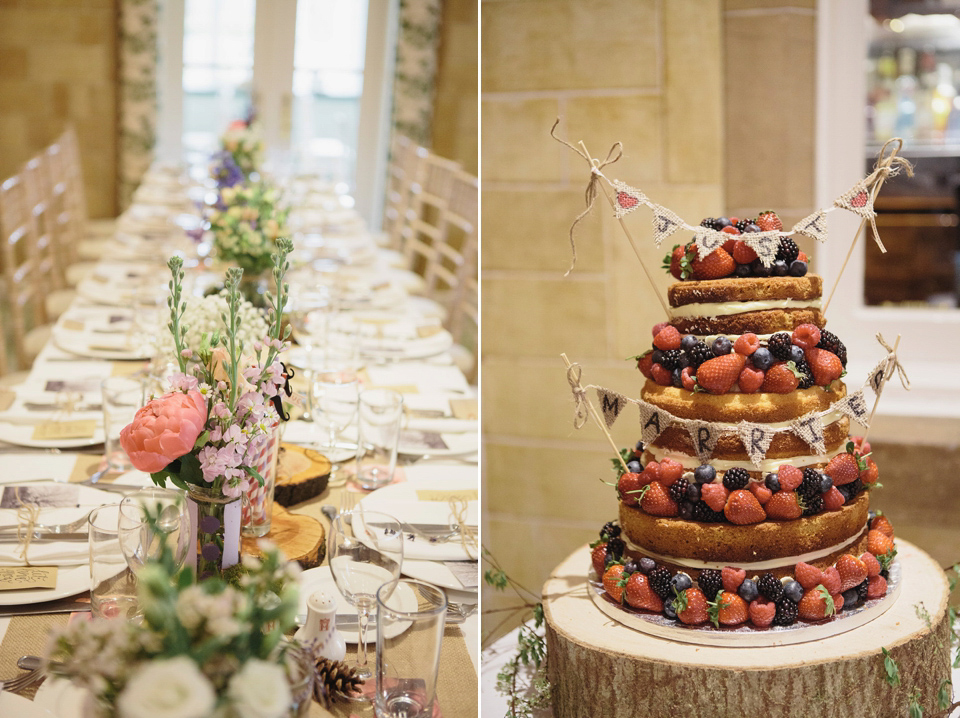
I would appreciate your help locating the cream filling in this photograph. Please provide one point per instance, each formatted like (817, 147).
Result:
(829, 418)
(766, 466)
(748, 567)
(723, 309)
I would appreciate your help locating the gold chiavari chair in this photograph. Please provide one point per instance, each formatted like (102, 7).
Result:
(406, 158)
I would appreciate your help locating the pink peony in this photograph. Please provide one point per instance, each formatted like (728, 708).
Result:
(165, 429)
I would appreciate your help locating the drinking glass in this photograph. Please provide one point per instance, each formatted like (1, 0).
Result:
(408, 650)
(380, 413)
(121, 397)
(113, 587)
(139, 541)
(365, 550)
(334, 392)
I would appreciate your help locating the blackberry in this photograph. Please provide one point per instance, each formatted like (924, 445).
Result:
(698, 354)
(742, 225)
(788, 250)
(770, 587)
(806, 381)
(714, 223)
(615, 549)
(660, 581)
(678, 491)
(830, 342)
(810, 486)
(736, 478)
(779, 345)
(786, 612)
(862, 592)
(702, 512)
(610, 530)
(686, 510)
(855, 487)
(671, 359)
(814, 505)
(710, 581)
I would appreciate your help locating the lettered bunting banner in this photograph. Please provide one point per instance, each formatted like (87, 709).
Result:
(810, 428)
(653, 420)
(611, 404)
(628, 198)
(854, 406)
(756, 439)
(665, 223)
(704, 435)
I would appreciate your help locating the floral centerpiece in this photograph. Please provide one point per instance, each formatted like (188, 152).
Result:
(243, 143)
(207, 434)
(225, 170)
(246, 224)
(202, 650)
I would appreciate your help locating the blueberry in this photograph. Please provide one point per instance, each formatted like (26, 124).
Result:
(693, 492)
(681, 582)
(798, 268)
(676, 379)
(639, 446)
(704, 474)
(721, 346)
(684, 361)
(793, 590)
(750, 228)
(686, 510)
(762, 358)
(723, 222)
(646, 565)
(630, 567)
(845, 492)
(748, 590)
(796, 354)
(780, 268)
(657, 356)
(826, 483)
(756, 266)
(773, 482)
(742, 270)
(634, 467)
(668, 610)
(850, 598)
(871, 515)
(688, 342)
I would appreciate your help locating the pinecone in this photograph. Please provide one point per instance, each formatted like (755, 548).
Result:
(779, 345)
(786, 612)
(710, 581)
(678, 490)
(770, 587)
(788, 250)
(335, 680)
(702, 512)
(660, 581)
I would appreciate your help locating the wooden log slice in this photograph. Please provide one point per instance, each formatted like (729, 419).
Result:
(601, 669)
(302, 474)
(301, 538)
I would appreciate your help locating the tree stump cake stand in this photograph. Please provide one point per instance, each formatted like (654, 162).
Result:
(600, 668)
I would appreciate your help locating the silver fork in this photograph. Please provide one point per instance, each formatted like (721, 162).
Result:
(24, 680)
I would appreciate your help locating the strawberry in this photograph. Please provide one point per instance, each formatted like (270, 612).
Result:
(687, 378)
(598, 557)
(730, 229)
(728, 610)
(717, 375)
(715, 265)
(768, 221)
(790, 477)
(668, 338)
(644, 363)
(832, 499)
(806, 336)
(816, 604)
(714, 495)
(670, 471)
(882, 524)
(691, 607)
(862, 447)
(732, 578)
(803, 257)
(780, 379)
(878, 543)
(611, 582)
(729, 245)
(657, 501)
(628, 488)
(852, 571)
(762, 612)
(842, 469)
(651, 472)
(661, 375)
(742, 253)
(870, 561)
(657, 328)
(831, 579)
(733, 222)
(639, 594)
(746, 344)
(876, 587)
(760, 490)
(742, 508)
(750, 380)
(808, 576)
(783, 505)
(825, 365)
(870, 474)
(678, 261)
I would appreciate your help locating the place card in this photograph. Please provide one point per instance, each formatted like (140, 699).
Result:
(54, 430)
(466, 572)
(18, 578)
(447, 494)
(464, 409)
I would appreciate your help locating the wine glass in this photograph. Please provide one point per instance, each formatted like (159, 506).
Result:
(365, 549)
(140, 541)
(334, 398)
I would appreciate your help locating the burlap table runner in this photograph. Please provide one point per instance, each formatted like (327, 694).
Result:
(27, 636)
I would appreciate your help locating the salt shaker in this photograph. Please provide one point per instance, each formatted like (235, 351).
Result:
(320, 630)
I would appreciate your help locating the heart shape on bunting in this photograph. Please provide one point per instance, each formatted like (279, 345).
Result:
(627, 201)
(860, 200)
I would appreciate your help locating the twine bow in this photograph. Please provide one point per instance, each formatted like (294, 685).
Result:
(886, 166)
(579, 395)
(893, 363)
(27, 515)
(590, 194)
(468, 537)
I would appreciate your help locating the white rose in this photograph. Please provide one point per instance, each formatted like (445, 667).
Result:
(260, 690)
(170, 688)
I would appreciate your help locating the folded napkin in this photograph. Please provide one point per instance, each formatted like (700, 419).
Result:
(49, 552)
(30, 407)
(442, 425)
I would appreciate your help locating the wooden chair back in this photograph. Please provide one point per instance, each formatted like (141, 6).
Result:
(406, 158)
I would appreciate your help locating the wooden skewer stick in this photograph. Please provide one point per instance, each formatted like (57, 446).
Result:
(597, 418)
(886, 378)
(636, 250)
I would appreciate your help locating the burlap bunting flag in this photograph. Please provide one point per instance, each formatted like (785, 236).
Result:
(611, 404)
(810, 429)
(765, 244)
(707, 240)
(854, 406)
(858, 200)
(704, 436)
(628, 198)
(652, 422)
(876, 378)
(813, 225)
(665, 223)
(756, 440)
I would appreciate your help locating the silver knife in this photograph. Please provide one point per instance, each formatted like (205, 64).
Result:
(12, 537)
(420, 527)
(37, 609)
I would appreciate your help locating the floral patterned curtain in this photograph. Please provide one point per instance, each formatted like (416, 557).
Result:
(137, 96)
(416, 68)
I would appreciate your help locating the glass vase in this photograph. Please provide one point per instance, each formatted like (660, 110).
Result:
(300, 673)
(258, 508)
(215, 522)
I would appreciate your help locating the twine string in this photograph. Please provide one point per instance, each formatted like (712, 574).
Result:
(590, 193)
(886, 166)
(468, 536)
(27, 515)
(579, 395)
(893, 363)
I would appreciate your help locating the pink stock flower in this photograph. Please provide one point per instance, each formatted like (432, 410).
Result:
(183, 382)
(164, 430)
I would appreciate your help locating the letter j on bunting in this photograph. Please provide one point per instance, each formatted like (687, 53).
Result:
(611, 404)
(665, 223)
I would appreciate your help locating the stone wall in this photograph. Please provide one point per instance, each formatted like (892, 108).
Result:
(455, 107)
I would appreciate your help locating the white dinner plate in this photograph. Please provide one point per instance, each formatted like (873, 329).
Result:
(433, 572)
(428, 443)
(320, 578)
(14, 706)
(114, 347)
(22, 435)
(61, 698)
